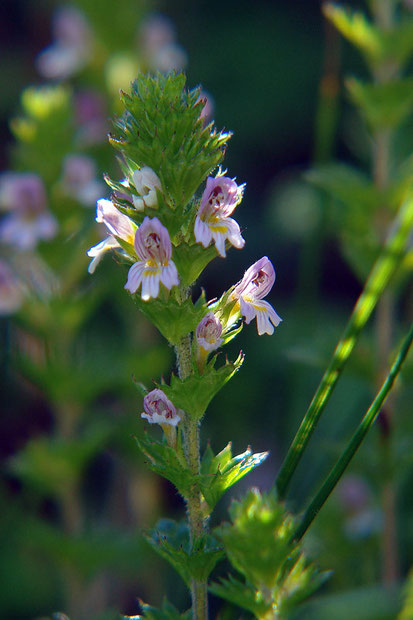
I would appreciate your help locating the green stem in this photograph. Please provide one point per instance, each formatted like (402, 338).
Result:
(385, 18)
(196, 521)
(355, 441)
(380, 275)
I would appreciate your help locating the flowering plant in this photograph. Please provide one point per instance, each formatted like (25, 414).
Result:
(167, 236)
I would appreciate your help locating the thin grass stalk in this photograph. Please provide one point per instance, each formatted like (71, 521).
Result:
(356, 440)
(383, 269)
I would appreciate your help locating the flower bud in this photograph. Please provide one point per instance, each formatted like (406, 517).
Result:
(208, 333)
(146, 183)
(159, 409)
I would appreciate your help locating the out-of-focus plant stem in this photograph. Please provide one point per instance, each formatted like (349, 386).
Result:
(196, 521)
(383, 13)
(324, 139)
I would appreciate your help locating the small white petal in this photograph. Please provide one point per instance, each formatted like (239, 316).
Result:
(202, 232)
(135, 277)
(138, 203)
(219, 239)
(169, 275)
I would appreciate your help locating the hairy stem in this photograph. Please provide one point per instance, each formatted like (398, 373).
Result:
(196, 521)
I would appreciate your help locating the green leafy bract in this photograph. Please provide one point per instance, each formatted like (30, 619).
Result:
(259, 544)
(162, 128)
(357, 28)
(242, 594)
(384, 105)
(191, 260)
(220, 472)
(174, 320)
(165, 461)
(194, 393)
(171, 540)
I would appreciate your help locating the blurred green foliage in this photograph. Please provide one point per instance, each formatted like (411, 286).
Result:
(262, 67)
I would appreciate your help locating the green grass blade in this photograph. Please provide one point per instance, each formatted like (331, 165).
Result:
(383, 269)
(355, 442)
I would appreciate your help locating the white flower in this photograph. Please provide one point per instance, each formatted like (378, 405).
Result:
(212, 222)
(72, 47)
(146, 183)
(208, 333)
(159, 409)
(256, 284)
(28, 221)
(118, 224)
(154, 266)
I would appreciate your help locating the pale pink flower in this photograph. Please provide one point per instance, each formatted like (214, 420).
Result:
(90, 117)
(159, 46)
(72, 47)
(208, 333)
(154, 266)
(79, 179)
(256, 284)
(118, 224)
(146, 182)
(212, 222)
(29, 220)
(159, 409)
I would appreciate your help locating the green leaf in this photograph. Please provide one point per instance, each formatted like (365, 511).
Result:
(348, 185)
(50, 464)
(242, 594)
(173, 320)
(259, 544)
(220, 472)
(194, 394)
(384, 105)
(171, 540)
(358, 200)
(393, 46)
(359, 30)
(191, 260)
(258, 540)
(165, 461)
(168, 612)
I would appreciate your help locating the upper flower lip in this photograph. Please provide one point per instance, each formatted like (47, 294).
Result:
(152, 241)
(116, 222)
(258, 280)
(220, 197)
